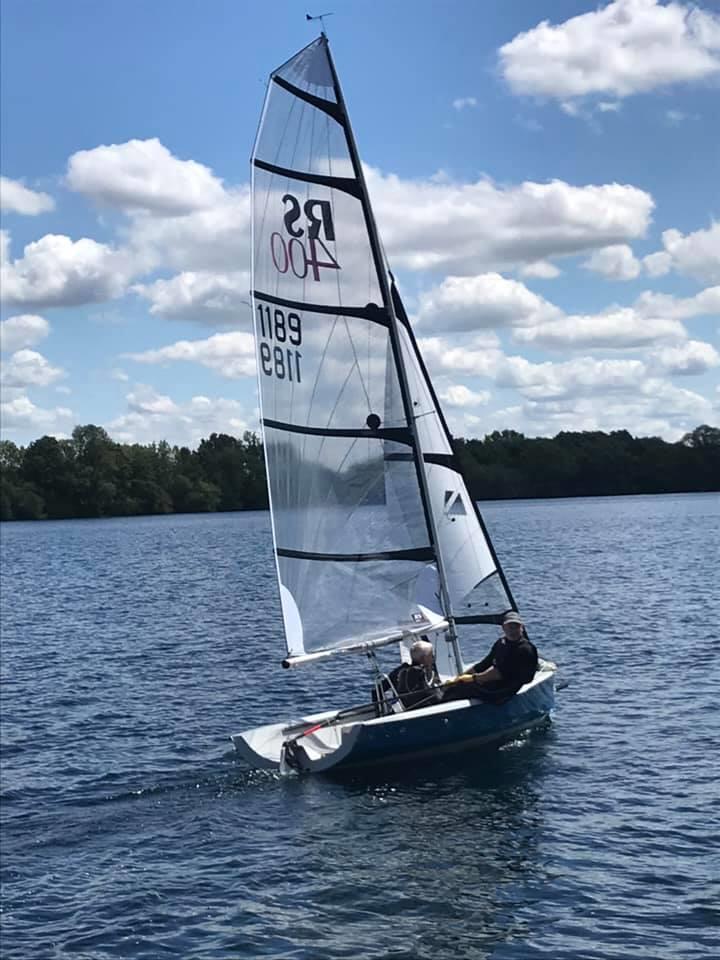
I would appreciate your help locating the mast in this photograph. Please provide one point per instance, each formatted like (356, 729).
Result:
(397, 355)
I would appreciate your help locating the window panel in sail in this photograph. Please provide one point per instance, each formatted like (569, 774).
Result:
(470, 568)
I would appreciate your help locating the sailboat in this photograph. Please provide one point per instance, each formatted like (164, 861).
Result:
(377, 540)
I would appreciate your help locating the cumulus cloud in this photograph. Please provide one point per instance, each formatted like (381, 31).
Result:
(202, 296)
(143, 175)
(703, 304)
(152, 416)
(485, 301)
(577, 377)
(491, 301)
(20, 415)
(541, 269)
(426, 224)
(56, 271)
(15, 197)
(24, 330)
(626, 47)
(461, 228)
(459, 395)
(615, 329)
(661, 410)
(692, 357)
(180, 216)
(696, 254)
(615, 262)
(216, 238)
(653, 318)
(28, 368)
(230, 354)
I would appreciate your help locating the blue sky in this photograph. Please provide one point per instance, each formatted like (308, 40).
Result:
(567, 273)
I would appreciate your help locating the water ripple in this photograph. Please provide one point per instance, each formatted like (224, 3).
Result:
(132, 648)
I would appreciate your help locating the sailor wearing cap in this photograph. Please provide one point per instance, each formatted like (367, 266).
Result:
(511, 663)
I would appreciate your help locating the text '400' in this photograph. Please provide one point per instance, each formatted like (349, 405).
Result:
(279, 360)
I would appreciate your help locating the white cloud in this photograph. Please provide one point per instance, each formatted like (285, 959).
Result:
(24, 330)
(616, 328)
(706, 303)
(203, 296)
(145, 399)
(118, 374)
(615, 262)
(28, 368)
(21, 415)
(485, 301)
(652, 318)
(695, 254)
(58, 272)
(430, 224)
(624, 48)
(541, 269)
(577, 377)
(462, 102)
(152, 416)
(481, 357)
(461, 228)
(459, 395)
(143, 175)
(571, 378)
(570, 108)
(490, 301)
(216, 238)
(692, 357)
(230, 354)
(662, 410)
(609, 106)
(15, 197)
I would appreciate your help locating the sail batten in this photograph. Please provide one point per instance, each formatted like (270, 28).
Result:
(396, 434)
(346, 184)
(371, 312)
(326, 106)
(420, 553)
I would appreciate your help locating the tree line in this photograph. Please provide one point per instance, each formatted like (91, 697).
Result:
(91, 475)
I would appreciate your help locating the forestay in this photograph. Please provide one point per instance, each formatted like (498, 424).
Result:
(366, 499)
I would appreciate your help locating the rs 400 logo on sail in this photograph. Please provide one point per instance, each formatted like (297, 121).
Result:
(304, 251)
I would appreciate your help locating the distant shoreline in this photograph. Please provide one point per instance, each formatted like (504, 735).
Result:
(220, 513)
(91, 476)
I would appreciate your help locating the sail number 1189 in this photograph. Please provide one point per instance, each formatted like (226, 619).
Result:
(277, 330)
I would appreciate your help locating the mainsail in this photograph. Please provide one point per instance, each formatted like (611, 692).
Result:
(375, 533)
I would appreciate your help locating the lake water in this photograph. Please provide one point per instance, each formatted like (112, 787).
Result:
(131, 648)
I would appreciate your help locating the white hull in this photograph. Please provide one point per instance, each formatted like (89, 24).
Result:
(362, 739)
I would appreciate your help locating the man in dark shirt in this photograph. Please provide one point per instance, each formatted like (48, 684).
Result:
(414, 683)
(511, 663)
